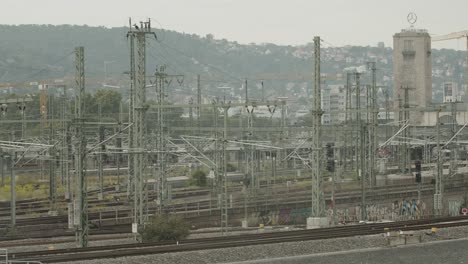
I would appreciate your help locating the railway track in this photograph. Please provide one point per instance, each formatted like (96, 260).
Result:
(31, 204)
(43, 205)
(117, 221)
(75, 254)
(42, 241)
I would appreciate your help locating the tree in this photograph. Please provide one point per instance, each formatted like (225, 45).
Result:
(231, 168)
(109, 100)
(172, 116)
(165, 228)
(199, 178)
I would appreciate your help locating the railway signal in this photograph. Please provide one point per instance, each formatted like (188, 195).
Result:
(417, 165)
(330, 157)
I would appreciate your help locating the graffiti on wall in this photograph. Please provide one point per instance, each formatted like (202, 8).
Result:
(409, 208)
(404, 209)
(284, 216)
(454, 207)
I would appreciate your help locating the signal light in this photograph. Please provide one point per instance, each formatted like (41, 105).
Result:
(417, 165)
(331, 165)
(418, 177)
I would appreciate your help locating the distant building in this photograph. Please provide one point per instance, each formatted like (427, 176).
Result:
(451, 93)
(333, 104)
(412, 69)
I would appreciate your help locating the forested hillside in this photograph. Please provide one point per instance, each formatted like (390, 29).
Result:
(34, 52)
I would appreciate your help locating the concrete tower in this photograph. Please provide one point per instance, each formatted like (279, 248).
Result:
(412, 70)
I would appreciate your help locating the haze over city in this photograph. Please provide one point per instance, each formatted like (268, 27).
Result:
(233, 131)
(340, 22)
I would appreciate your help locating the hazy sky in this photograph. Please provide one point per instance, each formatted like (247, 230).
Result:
(339, 22)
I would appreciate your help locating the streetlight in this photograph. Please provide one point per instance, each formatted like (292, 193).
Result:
(13, 191)
(105, 70)
(224, 88)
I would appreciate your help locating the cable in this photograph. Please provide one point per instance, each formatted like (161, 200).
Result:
(176, 67)
(190, 60)
(206, 64)
(55, 62)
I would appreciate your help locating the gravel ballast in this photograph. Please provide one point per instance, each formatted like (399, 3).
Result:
(279, 250)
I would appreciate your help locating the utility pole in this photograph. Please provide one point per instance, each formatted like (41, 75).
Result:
(406, 116)
(439, 184)
(224, 192)
(139, 135)
(334, 173)
(387, 113)
(199, 102)
(65, 143)
(191, 114)
(318, 203)
(131, 105)
(139, 131)
(13, 191)
(388, 128)
(100, 168)
(81, 206)
(22, 108)
(373, 127)
(364, 168)
(361, 147)
(118, 144)
(400, 158)
(254, 181)
(2, 167)
(348, 116)
(263, 92)
(454, 145)
(161, 79)
(52, 179)
(51, 162)
(358, 150)
(271, 109)
(283, 134)
(246, 92)
(348, 104)
(199, 99)
(216, 152)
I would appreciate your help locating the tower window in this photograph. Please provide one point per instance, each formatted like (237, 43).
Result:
(408, 45)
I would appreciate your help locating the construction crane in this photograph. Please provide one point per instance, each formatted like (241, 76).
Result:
(32, 83)
(456, 35)
(296, 77)
(43, 86)
(44, 97)
(18, 84)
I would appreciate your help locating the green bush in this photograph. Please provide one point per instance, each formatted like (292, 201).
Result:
(199, 178)
(231, 168)
(165, 228)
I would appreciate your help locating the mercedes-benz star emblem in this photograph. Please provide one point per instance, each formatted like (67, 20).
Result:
(412, 18)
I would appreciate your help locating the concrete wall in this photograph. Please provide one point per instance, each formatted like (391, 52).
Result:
(403, 209)
(430, 118)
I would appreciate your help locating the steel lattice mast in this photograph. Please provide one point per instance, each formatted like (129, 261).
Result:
(373, 127)
(81, 213)
(318, 203)
(139, 128)
(161, 143)
(130, 183)
(223, 178)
